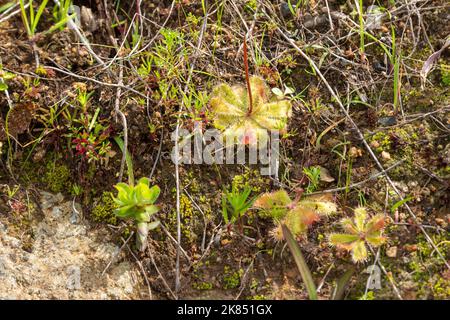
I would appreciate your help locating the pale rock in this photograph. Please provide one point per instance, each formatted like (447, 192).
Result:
(385, 155)
(391, 252)
(325, 175)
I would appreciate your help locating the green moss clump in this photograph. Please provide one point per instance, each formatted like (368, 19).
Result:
(189, 219)
(104, 210)
(425, 268)
(194, 215)
(400, 141)
(444, 171)
(187, 214)
(202, 285)
(368, 296)
(199, 282)
(251, 178)
(126, 232)
(441, 289)
(191, 180)
(232, 279)
(383, 140)
(257, 297)
(57, 177)
(445, 75)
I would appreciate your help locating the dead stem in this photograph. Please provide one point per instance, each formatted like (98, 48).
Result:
(247, 79)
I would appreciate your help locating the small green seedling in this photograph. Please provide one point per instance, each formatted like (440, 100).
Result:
(4, 77)
(31, 16)
(76, 190)
(360, 231)
(313, 175)
(61, 12)
(31, 19)
(83, 98)
(296, 214)
(235, 204)
(137, 202)
(283, 94)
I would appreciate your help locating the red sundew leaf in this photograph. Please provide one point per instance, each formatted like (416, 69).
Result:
(345, 246)
(34, 93)
(50, 73)
(309, 216)
(81, 151)
(376, 223)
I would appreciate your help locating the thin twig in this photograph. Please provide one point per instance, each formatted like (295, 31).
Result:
(142, 271)
(244, 279)
(117, 253)
(160, 274)
(247, 79)
(83, 39)
(95, 80)
(391, 281)
(124, 122)
(177, 173)
(322, 282)
(175, 241)
(360, 183)
(329, 16)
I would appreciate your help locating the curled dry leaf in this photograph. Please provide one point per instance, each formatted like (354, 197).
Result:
(429, 63)
(17, 121)
(325, 175)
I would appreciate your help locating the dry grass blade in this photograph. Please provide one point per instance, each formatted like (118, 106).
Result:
(428, 64)
(341, 284)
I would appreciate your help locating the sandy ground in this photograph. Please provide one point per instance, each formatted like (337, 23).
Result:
(66, 261)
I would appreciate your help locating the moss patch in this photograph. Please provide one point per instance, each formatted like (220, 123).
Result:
(104, 210)
(232, 279)
(445, 75)
(57, 177)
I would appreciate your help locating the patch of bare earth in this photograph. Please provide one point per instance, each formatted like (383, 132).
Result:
(66, 261)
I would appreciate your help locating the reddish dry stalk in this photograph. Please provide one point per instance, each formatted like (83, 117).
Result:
(247, 78)
(298, 196)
